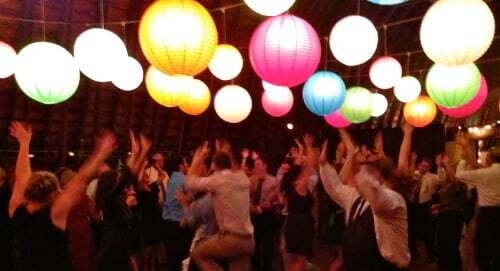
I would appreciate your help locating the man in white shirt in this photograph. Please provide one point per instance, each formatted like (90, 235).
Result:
(376, 236)
(231, 198)
(487, 182)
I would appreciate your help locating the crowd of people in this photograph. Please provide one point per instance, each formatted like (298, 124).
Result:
(223, 209)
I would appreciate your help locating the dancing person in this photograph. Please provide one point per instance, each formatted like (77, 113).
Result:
(231, 198)
(39, 209)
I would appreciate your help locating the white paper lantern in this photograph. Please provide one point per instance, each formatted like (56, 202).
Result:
(407, 89)
(353, 40)
(379, 105)
(277, 101)
(385, 72)
(8, 60)
(129, 74)
(98, 53)
(233, 103)
(226, 63)
(47, 73)
(269, 7)
(457, 32)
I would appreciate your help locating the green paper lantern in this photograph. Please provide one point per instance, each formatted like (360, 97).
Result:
(47, 73)
(453, 86)
(357, 107)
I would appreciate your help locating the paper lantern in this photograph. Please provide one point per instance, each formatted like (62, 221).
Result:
(8, 60)
(129, 74)
(336, 120)
(387, 2)
(379, 105)
(47, 73)
(420, 112)
(385, 72)
(178, 36)
(232, 103)
(453, 86)
(324, 93)
(197, 98)
(98, 53)
(269, 8)
(167, 90)
(407, 89)
(277, 101)
(457, 32)
(285, 50)
(353, 40)
(357, 107)
(470, 107)
(226, 63)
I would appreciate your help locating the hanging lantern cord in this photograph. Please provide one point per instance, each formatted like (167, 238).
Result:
(385, 39)
(408, 56)
(102, 13)
(358, 11)
(223, 10)
(326, 53)
(43, 19)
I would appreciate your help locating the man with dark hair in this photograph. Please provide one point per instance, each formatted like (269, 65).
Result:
(231, 199)
(264, 196)
(487, 182)
(177, 238)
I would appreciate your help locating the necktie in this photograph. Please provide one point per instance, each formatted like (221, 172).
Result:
(356, 209)
(258, 192)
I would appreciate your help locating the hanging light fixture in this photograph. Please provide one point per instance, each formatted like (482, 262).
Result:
(233, 103)
(357, 106)
(277, 101)
(324, 93)
(269, 8)
(197, 98)
(8, 60)
(385, 72)
(379, 105)
(167, 90)
(129, 74)
(407, 89)
(226, 63)
(420, 112)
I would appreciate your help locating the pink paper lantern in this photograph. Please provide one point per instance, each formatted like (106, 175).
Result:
(285, 50)
(470, 107)
(276, 101)
(336, 120)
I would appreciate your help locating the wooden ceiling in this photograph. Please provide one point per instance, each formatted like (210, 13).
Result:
(71, 125)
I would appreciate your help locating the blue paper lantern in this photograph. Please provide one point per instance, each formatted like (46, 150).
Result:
(324, 93)
(387, 2)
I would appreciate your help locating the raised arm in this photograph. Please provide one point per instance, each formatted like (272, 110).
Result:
(404, 150)
(193, 181)
(380, 199)
(310, 162)
(145, 144)
(379, 145)
(23, 134)
(134, 150)
(77, 185)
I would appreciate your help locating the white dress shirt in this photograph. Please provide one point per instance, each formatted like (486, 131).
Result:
(429, 184)
(231, 198)
(389, 213)
(269, 192)
(486, 180)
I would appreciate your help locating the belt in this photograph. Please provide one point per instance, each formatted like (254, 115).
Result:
(240, 235)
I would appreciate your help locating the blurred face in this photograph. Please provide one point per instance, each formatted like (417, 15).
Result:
(184, 166)
(364, 173)
(284, 168)
(260, 167)
(203, 171)
(424, 167)
(130, 196)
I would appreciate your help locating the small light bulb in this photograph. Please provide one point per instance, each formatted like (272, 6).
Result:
(289, 126)
(31, 155)
(71, 153)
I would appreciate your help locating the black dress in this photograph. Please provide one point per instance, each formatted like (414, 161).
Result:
(39, 245)
(151, 220)
(299, 227)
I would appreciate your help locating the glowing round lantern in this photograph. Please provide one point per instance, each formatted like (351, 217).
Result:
(324, 93)
(8, 60)
(129, 74)
(470, 107)
(98, 53)
(420, 112)
(285, 50)
(167, 90)
(407, 89)
(197, 98)
(233, 103)
(47, 73)
(269, 8)
(357, 107)
(353, 40)
(379, 105)
(178, 36)
(453, 86)
(387, 2)
(226, 63)
(385, 72)
(277, 101)
(457, 32)
(336, 120)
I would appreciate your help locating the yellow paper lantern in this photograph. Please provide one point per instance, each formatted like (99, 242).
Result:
(178, 36)
(197, 98)
(420, 112)
(226, 63)
(167, 90)
(233, 103)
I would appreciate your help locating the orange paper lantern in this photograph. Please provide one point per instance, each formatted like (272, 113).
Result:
(420, 112)
(197, 98)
